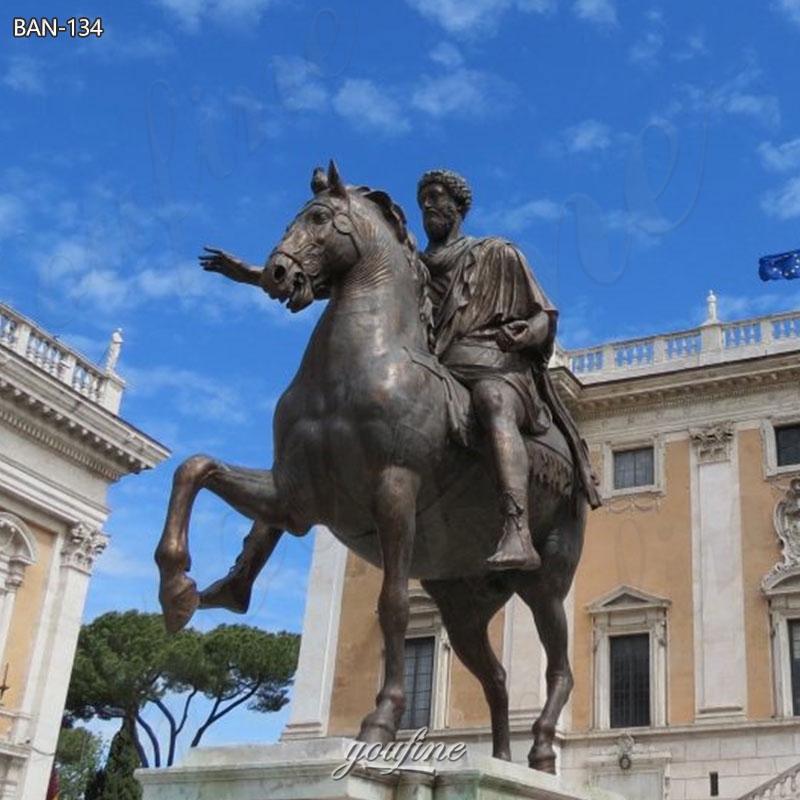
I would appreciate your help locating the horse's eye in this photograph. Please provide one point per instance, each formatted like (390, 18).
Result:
(319, 217)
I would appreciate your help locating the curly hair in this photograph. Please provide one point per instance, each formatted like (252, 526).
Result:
(455, 185)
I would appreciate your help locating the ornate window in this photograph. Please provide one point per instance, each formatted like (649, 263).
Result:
(633, 467)
(787, 445)
(427, 665)
(781, 442)
(629, 674)
(418, 682)
(794, 658)
(630, 659)
(782, 588)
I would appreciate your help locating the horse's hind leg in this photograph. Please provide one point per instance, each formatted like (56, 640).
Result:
(545, 600)
(251, 492)
(467, 607)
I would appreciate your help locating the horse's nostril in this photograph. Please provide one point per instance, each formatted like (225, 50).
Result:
(279, 273)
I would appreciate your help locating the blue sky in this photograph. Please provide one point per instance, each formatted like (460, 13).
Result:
(640, 154)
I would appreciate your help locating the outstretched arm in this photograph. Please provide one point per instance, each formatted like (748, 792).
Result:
(214, 260)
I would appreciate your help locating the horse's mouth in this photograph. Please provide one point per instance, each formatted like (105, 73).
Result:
(301, 296)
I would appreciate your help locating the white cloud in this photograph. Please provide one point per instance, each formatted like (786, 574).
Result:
(24, 75)
(790, 8)
(297, 84)
(447, 55)
(646, 49)
(600, 12)
(739, 96)
(475, 16)
(779, 157)
(12, 215)
(694, 45)
(783, 203)
(466, 92)
(362, 102)
(587, 137)
(192, 393)
(191, 13)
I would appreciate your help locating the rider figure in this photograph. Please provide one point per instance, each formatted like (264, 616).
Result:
(492, 328)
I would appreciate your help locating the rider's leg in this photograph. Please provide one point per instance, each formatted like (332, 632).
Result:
(500, 412)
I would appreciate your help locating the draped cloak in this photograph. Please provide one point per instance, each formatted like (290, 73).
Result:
(477, 286)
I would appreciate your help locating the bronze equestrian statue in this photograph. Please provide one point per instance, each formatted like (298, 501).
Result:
(375, 439)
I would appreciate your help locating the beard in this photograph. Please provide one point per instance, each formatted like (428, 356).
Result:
(438, 224)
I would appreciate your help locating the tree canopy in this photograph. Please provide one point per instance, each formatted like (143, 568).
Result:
(126, 664)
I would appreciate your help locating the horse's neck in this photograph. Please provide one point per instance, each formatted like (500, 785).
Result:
(380, 296)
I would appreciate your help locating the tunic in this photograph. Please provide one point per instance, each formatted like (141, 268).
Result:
(477, 286)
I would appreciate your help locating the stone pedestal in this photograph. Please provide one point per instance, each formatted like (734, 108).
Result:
(303, 770)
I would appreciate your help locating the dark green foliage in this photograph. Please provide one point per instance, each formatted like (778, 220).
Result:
(126, 663)
(78, 758)
(123, 759)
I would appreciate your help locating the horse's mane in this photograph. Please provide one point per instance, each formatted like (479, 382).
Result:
(395, 217)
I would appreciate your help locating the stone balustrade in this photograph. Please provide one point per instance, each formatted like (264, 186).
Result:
(712, 343)
(19, 335)
(785, 786)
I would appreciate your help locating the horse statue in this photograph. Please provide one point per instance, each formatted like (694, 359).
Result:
(365, 444)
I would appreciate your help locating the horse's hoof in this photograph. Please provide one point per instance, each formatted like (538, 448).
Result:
(179, 600)
(230, 593)
(372, 732)
(543, 764)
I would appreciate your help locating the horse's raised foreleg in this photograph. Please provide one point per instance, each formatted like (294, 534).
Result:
(251, 492)
(467, 607)
(547, 606)
(232, 592)
(394, 511)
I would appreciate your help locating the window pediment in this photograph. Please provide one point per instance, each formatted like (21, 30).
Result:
(625, 598)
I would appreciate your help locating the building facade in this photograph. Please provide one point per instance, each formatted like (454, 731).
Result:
(62, 443)
(685, 610)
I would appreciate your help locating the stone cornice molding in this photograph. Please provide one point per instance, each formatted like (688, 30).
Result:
(46, 410)
(679, 388)
(784, 576)
(712, 443)
(83, 544)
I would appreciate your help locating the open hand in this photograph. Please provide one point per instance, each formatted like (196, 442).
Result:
(214, 260)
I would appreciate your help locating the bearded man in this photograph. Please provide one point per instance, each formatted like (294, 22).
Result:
(494, 329)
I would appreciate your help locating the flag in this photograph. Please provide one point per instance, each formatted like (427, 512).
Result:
(782, 265)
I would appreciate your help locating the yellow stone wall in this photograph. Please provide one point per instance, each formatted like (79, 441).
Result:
(24, 622)
(649, 550)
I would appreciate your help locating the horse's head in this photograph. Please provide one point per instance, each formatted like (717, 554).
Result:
(331, 234)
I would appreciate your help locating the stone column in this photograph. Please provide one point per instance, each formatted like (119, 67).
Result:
(524, 662)
(718, 592)
(313, 685)
(57, 639)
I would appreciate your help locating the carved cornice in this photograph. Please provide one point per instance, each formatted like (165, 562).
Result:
(83, 545)
(786, 519)
(643, 392)
(713, 443)
(44, 410)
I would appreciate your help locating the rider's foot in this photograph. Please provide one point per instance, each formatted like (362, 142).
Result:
(515, 550)
(231, 592)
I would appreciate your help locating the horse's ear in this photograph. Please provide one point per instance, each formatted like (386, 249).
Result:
(335, 184)
(319, 181)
